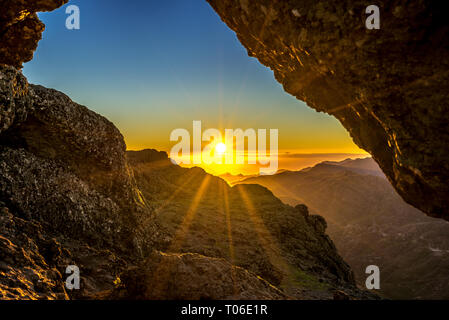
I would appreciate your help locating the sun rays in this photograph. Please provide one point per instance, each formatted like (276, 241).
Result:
(178, 190)
(169, 200)
(212, 204)
(266, 240)
(164, 270)
(225, 202)
(183, 229)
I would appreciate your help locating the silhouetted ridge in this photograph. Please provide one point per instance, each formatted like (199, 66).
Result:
(147, 155)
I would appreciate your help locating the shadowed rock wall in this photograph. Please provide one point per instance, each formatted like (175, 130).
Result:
(388, 87)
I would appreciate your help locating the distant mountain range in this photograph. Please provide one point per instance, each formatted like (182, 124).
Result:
(233, 178)
(362, 166)
(371, 224)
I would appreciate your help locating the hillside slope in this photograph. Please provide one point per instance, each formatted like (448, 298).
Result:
(371, 224)
(246, 225)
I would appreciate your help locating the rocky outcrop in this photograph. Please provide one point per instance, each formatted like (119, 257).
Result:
(25, 254)
(387, 87)
(48, 124)
(191, 277)
(64, 164)
(45, 191)
(67, 196)
(371, 224)
(21, 29)
(33, 261)
(14, 97)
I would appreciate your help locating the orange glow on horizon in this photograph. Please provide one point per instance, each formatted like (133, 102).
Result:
(287, 161)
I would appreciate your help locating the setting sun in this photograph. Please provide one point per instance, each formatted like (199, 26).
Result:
(220, 148)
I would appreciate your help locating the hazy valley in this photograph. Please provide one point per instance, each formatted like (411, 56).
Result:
(371, 224)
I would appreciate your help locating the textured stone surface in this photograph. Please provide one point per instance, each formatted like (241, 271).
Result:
(14, 97)
(192, 277)
(48, 124)
(45, 191)
(24, 271)
(371, 224)
(388, 87)
(33, 261)
(21, 29)
(65, 186)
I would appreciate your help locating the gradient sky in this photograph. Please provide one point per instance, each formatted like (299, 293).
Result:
(153, 66)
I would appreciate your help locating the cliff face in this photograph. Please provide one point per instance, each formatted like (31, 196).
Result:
(387, 87)
(66, 195)
(21, 29)
(51, 160)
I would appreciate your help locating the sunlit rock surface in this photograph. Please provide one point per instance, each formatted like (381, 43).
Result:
(67, 181)
(388, 87)
(67, 195)
(21, 29)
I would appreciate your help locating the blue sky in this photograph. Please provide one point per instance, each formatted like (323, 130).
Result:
(153, 66)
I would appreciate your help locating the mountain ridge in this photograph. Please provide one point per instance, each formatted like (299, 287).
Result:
(371, 224)
(66, 178)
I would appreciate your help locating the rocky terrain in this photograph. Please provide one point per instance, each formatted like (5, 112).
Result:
(245, 225)
(137, 226)
(191, 276)
(65, 192)
(371, 224)
(70, 194)
(388, 87)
